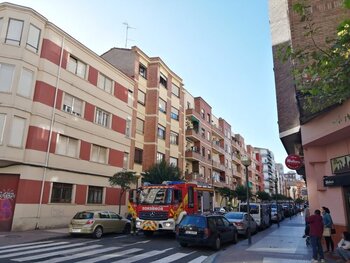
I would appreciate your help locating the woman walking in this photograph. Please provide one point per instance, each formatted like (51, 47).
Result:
(328, 224)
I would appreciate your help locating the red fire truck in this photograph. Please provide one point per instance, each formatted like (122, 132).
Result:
(160, 207)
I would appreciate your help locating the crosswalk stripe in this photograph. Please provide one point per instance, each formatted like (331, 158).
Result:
(172, 258)
(198, 260)
(79, 255)
(26, 244)
(31, 247)
(142, 256)
(109, 256)
(38, 250)
(45, 255)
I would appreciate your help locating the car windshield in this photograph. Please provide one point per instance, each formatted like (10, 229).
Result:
(156, 196)
(234, 215)
(198, 221)
(254, 209)
(84, 215)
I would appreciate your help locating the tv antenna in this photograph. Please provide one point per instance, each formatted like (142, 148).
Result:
(127, 27)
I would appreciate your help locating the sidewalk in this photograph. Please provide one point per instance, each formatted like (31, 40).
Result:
(274, 245)
(11, 238)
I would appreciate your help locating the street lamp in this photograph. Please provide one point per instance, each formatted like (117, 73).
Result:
(289, 210)
(276, 192)
(246, 161)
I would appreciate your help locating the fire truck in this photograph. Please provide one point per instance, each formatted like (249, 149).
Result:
(160, 207)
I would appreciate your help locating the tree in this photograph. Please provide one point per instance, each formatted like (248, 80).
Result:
(124, 179)
(299, 201)
(322, 70)
(226, 193)
(242, 192)
(162, 171)
(263, 196)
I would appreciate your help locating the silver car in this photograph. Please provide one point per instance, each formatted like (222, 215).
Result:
(240, 220)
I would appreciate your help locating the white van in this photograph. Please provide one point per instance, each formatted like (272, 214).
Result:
(260, 212)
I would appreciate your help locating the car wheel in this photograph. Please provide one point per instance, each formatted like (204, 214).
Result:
(183, 244)
(127, 229)
(235, 237)
(148, 233)
(98, 232)
(217, 243)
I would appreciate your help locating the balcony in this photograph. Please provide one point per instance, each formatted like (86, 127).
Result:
(193, 154)
(195, 176)
(217, 148)
(236, 158)
(193, 134)
(218, 131)
(218, 166)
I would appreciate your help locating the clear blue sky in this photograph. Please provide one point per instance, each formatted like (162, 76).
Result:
(220, 48)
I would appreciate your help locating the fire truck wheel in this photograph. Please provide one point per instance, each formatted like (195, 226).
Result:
(98, 232)
(148, 233)
(183, 244)
(217, 243)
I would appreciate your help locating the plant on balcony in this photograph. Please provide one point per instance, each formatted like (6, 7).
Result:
(160, 172)
(124, 179)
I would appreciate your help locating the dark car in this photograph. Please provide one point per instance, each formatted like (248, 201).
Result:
(207, 230)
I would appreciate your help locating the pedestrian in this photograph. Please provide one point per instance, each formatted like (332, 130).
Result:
(343, 249)
(328, 224)
(316, 230)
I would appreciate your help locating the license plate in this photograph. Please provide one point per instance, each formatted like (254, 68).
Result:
(190, 232)
(76, 230)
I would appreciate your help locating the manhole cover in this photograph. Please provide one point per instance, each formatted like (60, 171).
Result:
(13, 236)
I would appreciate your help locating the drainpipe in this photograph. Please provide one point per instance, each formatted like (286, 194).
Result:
(47, 156)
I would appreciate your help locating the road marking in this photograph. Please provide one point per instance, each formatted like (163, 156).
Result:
(26, 244)
(172, 258)
(79, 255)
(31, 247)
(38, 250)
(120, 236)
(45, 255)
(109, 256)
(142, 256)
(198, 260)
(140, 242)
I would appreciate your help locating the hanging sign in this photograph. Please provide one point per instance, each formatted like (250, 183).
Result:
(294, 162)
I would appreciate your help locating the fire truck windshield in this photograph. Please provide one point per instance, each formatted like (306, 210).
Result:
(156, 196)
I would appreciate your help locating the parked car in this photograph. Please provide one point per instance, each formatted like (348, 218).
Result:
(240, 220)
(98, 222)
(207, 230)
(261, 213)
(275, 215)
(220, 210)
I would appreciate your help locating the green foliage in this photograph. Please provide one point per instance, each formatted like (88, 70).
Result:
(160, 172)
(124, 179)
(241, 192)
(226, 193)
(322, 72)
(280, 197)
(299, 201)
(263, 196)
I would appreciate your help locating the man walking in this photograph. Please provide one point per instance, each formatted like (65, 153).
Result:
(316, 230)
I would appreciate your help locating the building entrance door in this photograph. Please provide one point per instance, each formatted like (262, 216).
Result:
(347, 204)
(8, 192)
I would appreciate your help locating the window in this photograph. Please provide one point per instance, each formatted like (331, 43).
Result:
(208, 135)
(160, 157)
(161, 132)
(127, 126)
(174, 113)
(2, 126)
(25, 83)
(126, 161)
(162, 106)
(143, 71)
(138, 155)
(203, 113)
(163, 80)
(77, 67)
(174, 138)
(1, 23)
(95, 194)
(61, 193)
(14, 32)
(141, 97)
(140, 126)
(17, 131)
(208, 117)
(104, 83)
(203, 132)
(99, 154)
(209, 155)
(203, 151)
(102, 117)
(6, 77)
(72, 105)
(33, 38)
(173, 161)
(175, 90)
(67, 146)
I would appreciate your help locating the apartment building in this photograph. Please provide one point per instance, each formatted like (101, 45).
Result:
(280, 179)
(269, 169)
(64, 123)
(255, 174)
(321, 138)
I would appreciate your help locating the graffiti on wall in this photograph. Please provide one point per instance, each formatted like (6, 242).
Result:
(7, 197)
